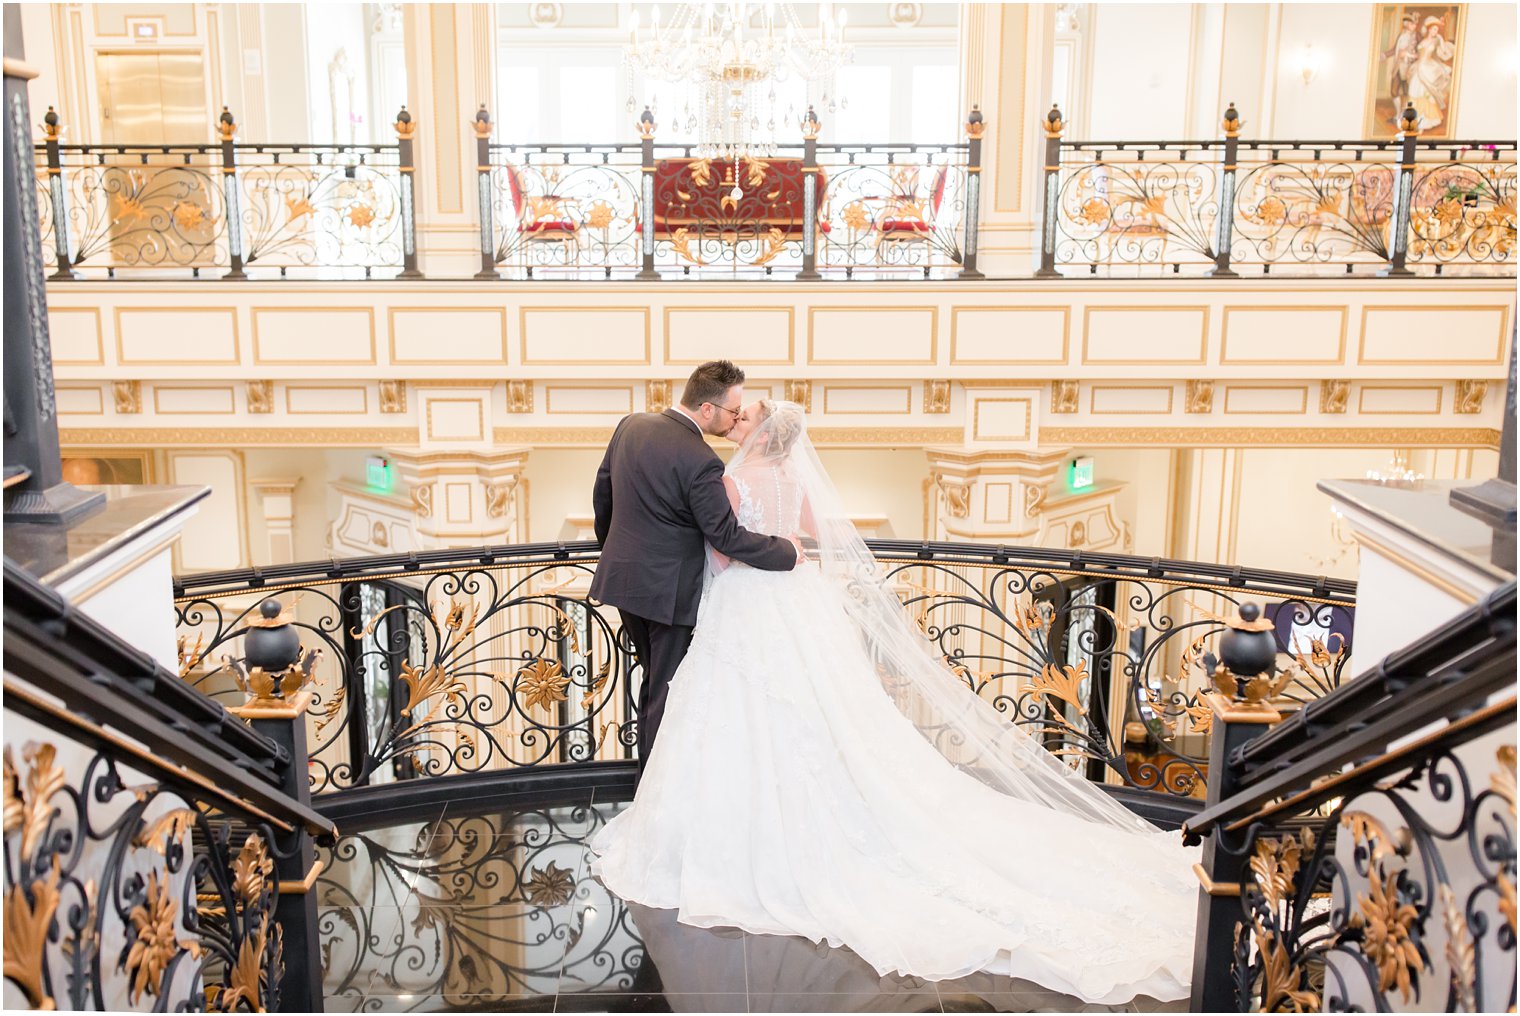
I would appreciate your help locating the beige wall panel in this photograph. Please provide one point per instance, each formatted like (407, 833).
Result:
(1002, 419)
(997, 502)
(1433, 335)
(76, 336)
(612, 401)
(747, 335)
(448, 335)
(1009, 335)
(303, 400)
(80, 401)
(176, 336)
(889, 335)
(1107, 400)
(175, 19)
(208, 540)
(838, 400)
(318, 336)
(218, 400)
(456, 420)
(1283, 335)
(1291, 399)
(1383, 399)
(457, 502)
(1145, 335)
(584, 335)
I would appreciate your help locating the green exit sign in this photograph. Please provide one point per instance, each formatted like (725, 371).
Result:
(377, 472)
(1081, 473)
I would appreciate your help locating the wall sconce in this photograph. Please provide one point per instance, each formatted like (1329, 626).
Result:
(1308, 63)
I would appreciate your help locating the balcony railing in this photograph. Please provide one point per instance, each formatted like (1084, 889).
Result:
(227, 210)
(653, 211)
(1231, 206)
(459, 663)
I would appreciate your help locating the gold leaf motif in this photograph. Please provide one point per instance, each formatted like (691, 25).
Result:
(188, 661)
(1447, 213)
(680, 243)
(330, 710)
(854, 216)
(550, 887)
(597, 685)
(701, 172)
(167, 829)
(1275, 865)
(1064, 683)
(1271, 212)
(1093, 210)
(154, 942)
(44, 780)
(128, 207)
(1503, 779)
(455, 620)
(1461, 956)
(599, 216)
(1367, 829)
(423, 685)
(1200, 718)
(188, 214)
(542, 683)
(755, 171)
(1279, 976)
(1030, 617)
(361, 215)
(247, 977)
(1385, 923)
(1506, 889)
(296, 205)
(251, 870)
(15, 810)
(27, 922)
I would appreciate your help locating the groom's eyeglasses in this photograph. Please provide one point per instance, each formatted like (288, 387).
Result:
(736, 412)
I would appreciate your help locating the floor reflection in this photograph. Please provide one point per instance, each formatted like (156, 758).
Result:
(498, 911)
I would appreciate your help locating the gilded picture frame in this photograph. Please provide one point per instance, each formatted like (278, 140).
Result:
(94, 466)
(1415, 57)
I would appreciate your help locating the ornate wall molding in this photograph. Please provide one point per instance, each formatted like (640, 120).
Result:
(1277, 437)
(392, 396)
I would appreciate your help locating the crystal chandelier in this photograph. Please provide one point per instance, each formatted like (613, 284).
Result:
(735, 54)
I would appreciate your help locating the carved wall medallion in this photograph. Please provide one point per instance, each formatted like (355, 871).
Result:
(519, 396)
(1470, 395)
(936, 396)
(379, 536)
(800, 392)
(1333, 396)
(545, 15)
(392, 396)
(1063, 396)
(657, 396)
(957, 497)
(1034, 500)
(905, 15)
(261, 396)
(422, 500)
(1198, 397)
(128, 396)
(499, 499)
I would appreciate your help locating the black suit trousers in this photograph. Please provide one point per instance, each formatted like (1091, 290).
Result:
(660, 649)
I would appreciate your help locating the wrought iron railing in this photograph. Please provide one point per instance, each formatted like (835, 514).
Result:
(151, 839)
(1360, 854)
(1232, 206)
(453, 663)
(228, 209)
(653, 211)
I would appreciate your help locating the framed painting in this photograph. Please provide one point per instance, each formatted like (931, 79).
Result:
(1416, 60)
(90, 466)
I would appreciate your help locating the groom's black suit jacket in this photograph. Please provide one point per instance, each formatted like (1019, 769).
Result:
(659, 497)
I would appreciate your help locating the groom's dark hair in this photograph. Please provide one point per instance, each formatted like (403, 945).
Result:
(709, 382)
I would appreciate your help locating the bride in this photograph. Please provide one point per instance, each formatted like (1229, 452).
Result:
(821, 772)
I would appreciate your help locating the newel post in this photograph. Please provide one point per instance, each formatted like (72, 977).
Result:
(976, 126)
(646, 196)
(226, 131)
(1224, 226)
(1053, 125)
(483, 126)
(1403, 195)
(810, 128)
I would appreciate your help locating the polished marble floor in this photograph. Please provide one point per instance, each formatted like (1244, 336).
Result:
(498, 911)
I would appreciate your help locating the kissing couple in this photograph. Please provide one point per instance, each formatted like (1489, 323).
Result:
(820, 770)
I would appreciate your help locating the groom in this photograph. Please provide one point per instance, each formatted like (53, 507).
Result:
(659, 497)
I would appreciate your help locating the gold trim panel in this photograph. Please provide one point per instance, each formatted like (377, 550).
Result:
(1321, 437)
(353, 437)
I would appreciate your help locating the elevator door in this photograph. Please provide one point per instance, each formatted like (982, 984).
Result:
(158, 210)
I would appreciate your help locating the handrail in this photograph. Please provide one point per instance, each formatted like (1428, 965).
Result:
(99, 678)
(1232, 577)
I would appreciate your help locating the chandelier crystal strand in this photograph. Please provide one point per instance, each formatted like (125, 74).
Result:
(735, 54)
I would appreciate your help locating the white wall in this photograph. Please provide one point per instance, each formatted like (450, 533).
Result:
(1139, 70)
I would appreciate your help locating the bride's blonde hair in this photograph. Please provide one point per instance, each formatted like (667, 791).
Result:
(784, 428)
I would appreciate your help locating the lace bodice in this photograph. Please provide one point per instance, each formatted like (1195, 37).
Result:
(770, 500)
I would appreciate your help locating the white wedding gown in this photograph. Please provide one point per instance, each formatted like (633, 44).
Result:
(789, 795)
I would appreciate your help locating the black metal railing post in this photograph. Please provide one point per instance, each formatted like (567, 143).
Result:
(1051, 195)
(483, 127)
(406, 132)
(810, 128)
(1403, 195)
(646, 196)
(273, 671)
(226, 129)
(976, 126)
(1224, 227)
(58, 194)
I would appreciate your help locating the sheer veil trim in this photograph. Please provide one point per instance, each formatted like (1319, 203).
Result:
(786, 491)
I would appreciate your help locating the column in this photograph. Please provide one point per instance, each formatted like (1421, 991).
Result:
(450, 70)
(1208, 505)
(277, 497)
(1003, 57)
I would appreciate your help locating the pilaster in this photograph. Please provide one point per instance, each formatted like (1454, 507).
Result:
(277, 499)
